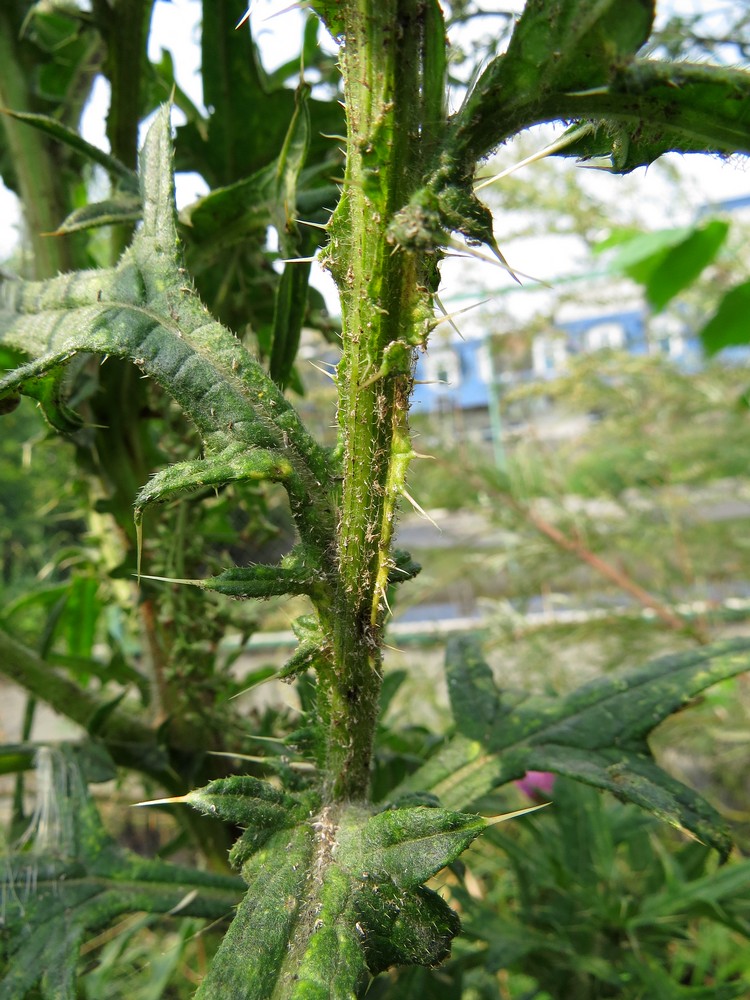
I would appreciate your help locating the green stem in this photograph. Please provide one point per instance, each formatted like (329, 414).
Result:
(392, 70)
(23, 666)
(39, 182)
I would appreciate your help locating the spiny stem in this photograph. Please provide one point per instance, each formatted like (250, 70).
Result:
(393, 69)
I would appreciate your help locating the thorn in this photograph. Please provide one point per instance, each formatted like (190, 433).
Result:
(501, 261)
(418, 454)
(171, 579)
(420, 510)
(299, 765)
(384, 598)
(273, 677)
(597, 163)
(314, 225)
(186, 900)
(161, 802)
(494, 820)
(245, 16)
(260, 739)
(297, 260)
(448, 317)
(330, 375)
(593, 92)
(553, 147)
(301, 5)
(331, 135)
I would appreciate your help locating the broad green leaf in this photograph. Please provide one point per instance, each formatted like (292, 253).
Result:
(146, 310)
(729, 326)
(75, 880)
(409, 844)
(635, 254)
(597, 735)
(667, 274)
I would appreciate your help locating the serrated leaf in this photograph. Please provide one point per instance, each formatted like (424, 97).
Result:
(122, 209)
(653, 107)
(475, 700)
(336, 896)
(146, 310)
(234, 463)
(596, 734)
(243, 800)
(260, 582)
(253, 951)
(556, 48)
(75, 881)
(410, 845)
(61, 133)
(574, 60)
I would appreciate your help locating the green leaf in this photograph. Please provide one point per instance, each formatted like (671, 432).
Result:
(61, 133)
(81, 615)
(475, 700)
(652, 108)
(669, 260)
(729, 326)
(556, 48)
(146, 310)
(410, 845)
(596, 734)
(120, 209)
(682, 264)
(291, 297)
(334, 897)
(722, 895)
(75, 880)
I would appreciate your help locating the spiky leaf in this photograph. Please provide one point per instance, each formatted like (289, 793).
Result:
(597, 734)
(334, 899)
(145, 309)
(75, 880)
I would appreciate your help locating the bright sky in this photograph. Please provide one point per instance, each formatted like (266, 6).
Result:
(176, 27)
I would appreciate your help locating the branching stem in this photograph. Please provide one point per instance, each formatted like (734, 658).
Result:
(393, 68)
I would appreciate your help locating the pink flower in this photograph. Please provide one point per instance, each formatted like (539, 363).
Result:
(537, 785)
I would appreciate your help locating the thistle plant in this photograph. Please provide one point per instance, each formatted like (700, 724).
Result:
(335, 882)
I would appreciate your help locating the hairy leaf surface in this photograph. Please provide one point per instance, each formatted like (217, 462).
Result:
(145, 309)
(596, 734)
(75, 880)
(334, 895)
